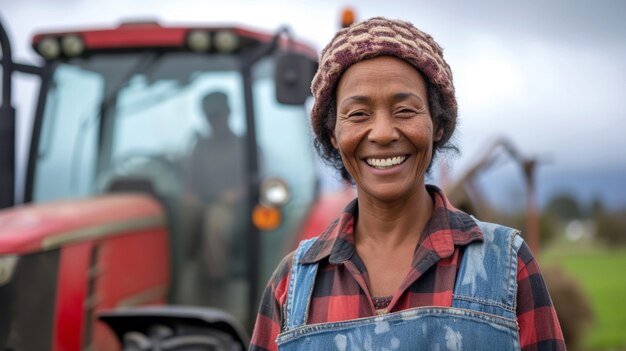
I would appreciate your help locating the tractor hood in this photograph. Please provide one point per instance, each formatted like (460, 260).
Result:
(40, 227)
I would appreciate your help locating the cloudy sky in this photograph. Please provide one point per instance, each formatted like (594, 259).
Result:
(549, 75)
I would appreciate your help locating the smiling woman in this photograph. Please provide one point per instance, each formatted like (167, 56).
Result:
(384, 132)
(401, 268)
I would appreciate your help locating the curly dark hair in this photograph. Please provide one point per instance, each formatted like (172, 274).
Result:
(441, 117)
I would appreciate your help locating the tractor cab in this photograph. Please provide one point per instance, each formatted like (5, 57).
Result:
(209, 122)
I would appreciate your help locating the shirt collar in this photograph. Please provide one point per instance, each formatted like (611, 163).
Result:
(448, 227)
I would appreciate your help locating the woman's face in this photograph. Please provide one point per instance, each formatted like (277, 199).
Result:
(384, 132)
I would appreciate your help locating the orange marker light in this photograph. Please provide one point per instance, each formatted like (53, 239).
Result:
(347, 17)
(265, 217)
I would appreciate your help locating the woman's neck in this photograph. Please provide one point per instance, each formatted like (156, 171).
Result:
(393, 224)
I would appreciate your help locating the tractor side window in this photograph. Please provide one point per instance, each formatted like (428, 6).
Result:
(67, 145)
(285, 142)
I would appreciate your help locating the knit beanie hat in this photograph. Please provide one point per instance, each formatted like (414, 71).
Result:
(375, 37)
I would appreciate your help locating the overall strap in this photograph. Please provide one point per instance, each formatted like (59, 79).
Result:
(301, 280)
(487, 278)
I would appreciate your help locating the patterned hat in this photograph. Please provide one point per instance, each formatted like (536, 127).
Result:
(375, 37)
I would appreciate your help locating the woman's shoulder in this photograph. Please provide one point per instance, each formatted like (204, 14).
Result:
(282, 269)
(286, 263)
(279, 280)
(501, 235)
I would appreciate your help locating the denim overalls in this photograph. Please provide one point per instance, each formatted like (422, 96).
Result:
(482, 316)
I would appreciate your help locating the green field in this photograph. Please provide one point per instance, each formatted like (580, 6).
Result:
(602, 276)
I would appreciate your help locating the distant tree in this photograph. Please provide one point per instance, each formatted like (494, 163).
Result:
(564, 207)
(548, 228)
(611, 228)
(596, 208)
(610, 225)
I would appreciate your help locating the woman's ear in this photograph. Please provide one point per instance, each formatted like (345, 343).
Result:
(333, 140)
(438, 134)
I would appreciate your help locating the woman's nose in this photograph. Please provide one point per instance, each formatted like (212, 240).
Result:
(383, 131)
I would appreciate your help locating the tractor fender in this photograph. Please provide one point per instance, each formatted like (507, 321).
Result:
(175, 328)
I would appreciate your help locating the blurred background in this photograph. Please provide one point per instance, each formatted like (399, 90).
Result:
(540, 87)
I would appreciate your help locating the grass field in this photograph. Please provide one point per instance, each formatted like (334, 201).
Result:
(602, 275)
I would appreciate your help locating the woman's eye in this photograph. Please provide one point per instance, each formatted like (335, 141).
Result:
(358, 114)
(404, 113)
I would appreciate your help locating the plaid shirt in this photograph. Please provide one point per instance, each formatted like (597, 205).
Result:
(341, 290)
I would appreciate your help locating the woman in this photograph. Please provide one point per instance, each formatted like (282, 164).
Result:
(401, 269)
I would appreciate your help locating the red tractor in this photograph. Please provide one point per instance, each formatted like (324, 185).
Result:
(169, 167)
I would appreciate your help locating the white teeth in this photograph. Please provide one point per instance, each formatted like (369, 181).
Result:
(385, 162)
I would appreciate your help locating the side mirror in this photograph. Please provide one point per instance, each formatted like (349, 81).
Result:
(293, 75)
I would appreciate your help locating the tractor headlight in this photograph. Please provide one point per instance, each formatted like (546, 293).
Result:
(72, 45)
(199, 40)
(226, 41)
(274, 192)
(49, 48)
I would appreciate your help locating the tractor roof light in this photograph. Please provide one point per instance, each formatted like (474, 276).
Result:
(7, 267)
(72, 45)
(348, 17)
(49, 48)
(199, 40)
(274, 192)
(226, 41)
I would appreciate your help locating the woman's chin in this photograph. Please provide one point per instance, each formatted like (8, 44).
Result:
(387, 193)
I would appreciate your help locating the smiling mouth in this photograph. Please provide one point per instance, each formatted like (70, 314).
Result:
(382, 163)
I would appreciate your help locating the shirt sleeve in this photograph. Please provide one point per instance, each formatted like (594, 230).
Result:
(269, 320)
(539, 327)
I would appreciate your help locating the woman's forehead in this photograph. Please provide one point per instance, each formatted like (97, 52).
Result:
(386, 73)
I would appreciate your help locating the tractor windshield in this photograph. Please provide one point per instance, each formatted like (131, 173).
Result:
(111, 116)
(174, 124)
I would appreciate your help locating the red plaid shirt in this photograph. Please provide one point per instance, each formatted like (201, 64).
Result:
(341, 290)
